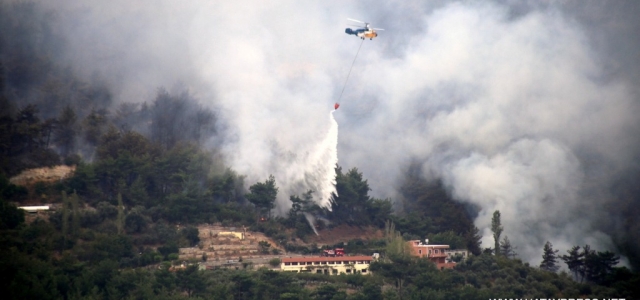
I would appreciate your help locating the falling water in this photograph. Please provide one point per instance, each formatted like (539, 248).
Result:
(321, 167)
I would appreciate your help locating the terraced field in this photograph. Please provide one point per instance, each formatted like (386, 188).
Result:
(230, 247)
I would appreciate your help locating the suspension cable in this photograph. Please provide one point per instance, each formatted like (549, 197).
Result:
(347, 79)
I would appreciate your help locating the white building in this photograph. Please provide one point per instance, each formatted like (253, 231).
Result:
(327, 265)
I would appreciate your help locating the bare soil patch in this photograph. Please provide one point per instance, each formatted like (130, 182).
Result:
(344, 233)
(31, 176)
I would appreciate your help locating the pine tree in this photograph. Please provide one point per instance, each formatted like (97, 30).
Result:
(589, 264)
(66, 131)
(601, 266)
(496, 228)
(507, 249)
(121, 216)
(263, 195)
(473, 240)
(93, 126)
(549, 258)
(75, 215)
(65, 216)
(574, 262)
(589, 258)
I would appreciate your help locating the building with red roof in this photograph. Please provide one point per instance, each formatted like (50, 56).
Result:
(327, 265)
(441, 255)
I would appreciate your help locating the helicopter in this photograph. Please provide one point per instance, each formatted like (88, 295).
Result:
(365, 32)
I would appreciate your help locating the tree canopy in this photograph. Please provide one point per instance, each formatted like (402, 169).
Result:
(549, 258)
(496, 228)
(147, 172)
(263, 195)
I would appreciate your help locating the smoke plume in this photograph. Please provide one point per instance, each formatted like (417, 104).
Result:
(527, 107)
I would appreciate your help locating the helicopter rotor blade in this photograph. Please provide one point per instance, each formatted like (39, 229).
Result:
(377, 28)
(356, 21)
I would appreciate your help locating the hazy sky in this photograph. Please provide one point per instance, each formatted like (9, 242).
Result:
(529, 107)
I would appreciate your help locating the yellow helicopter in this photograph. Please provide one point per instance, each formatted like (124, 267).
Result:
(365, 32)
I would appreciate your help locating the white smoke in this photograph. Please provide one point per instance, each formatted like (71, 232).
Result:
(513, 114)
(516, 105)
(313, 169)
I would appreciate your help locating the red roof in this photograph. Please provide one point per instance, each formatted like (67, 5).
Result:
(322, 258)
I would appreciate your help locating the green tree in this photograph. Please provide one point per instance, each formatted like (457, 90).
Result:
(549, 258)
(507, 249)
(10, 216)
(27, 131)
(351, 202)
(102, 274)
(228, 186)
(372, 291)
(165, 114)
(65, 134)
(397, 249)
(496, 228)
(135, 221)
(10, 191)
(598, 265)
(122, 160)
(93, 126)
(473, 240)
(326, 292)
(107, 211)
(65, 216)
(447, 238)
(48, 128)
(75, 215)
(275, 262)
(23, 142)
(192, 235)
(26, 277)
(242, 286)
(178, 118)
(120, 221)
(575, 262)
(429, 207)
(114, 247)
(263, 195)
(264, 247)
(606, 262)
(164, 279)
(300, 205)
(191, 281)
(379, 211)
(114, 144)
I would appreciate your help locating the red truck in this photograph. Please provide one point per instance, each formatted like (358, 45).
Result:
(333, 252)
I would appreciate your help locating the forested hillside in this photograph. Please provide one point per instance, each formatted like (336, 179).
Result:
(147, 171)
